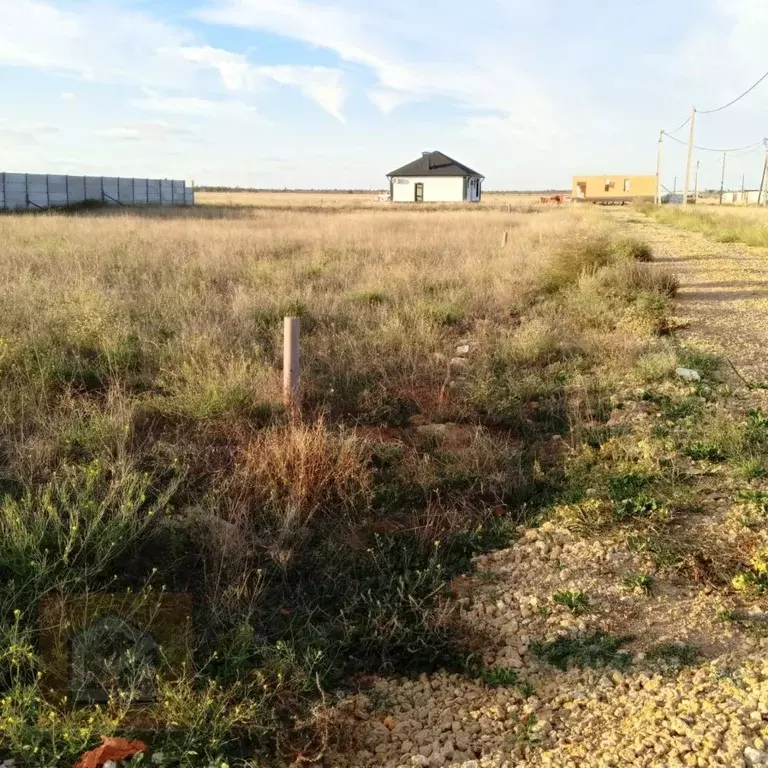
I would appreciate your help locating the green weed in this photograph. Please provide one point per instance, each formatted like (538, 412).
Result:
(599, 649)
(639, 580)
(575, 602)
(674, 655)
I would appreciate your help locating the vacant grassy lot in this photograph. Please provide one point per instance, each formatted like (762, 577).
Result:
(144, 446)
(346, 201)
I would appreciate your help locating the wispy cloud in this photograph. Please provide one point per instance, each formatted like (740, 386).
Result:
(25, 133)
(93, 41)
(193, 106)
(414, 52)
(149, 130)
(387, 101)
(322, 84)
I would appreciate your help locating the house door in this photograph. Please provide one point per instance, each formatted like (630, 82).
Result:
(419, 192)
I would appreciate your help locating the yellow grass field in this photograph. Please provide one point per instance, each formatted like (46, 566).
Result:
(494, 474)
(343, 200)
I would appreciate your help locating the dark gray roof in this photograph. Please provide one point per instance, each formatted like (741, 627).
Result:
(434, 164)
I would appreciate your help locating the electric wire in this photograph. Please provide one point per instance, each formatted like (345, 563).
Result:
(682, 125)
(733, 101)
(754, 145)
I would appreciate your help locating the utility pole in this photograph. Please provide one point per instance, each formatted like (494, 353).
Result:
(696, 184)
(658, 168)
(674, 186)
(763, 176)
(743, 199)
(722, 178)
(690, 157)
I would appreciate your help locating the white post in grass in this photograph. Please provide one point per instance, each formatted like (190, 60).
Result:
(291, 332)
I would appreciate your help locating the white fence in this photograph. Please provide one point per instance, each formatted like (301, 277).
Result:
(35, 190)
(747, 197)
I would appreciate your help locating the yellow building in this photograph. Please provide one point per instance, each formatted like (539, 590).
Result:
(614, 189)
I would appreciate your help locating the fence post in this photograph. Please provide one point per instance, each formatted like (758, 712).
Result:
(291, 334)
(26, 191)
(504, 239)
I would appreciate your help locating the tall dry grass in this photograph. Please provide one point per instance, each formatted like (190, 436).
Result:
(143, 348)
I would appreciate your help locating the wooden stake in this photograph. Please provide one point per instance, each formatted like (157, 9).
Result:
(291, 335)
(504, 239)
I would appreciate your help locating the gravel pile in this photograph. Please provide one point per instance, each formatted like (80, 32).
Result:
(646, 715)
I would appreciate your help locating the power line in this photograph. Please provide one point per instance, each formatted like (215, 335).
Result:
(711, 149)
(682, 125)
(732, 102)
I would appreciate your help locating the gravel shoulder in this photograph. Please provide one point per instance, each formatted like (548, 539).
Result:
(702, 714)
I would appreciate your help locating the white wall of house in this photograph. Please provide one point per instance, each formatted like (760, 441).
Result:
(437, 189)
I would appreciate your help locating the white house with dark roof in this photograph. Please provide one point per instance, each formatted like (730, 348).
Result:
(435, 178)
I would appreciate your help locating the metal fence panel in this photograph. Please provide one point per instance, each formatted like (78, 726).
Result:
(31, 191)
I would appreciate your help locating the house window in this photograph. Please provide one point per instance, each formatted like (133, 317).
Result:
(608, 185)
(627, 185)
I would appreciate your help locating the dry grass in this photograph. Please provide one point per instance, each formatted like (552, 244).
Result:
(143, 349)
(350, 200)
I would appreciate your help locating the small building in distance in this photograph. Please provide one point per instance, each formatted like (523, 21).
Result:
(612, 190)
(435, 178)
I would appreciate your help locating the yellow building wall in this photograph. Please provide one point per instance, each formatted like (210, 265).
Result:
(613, 187)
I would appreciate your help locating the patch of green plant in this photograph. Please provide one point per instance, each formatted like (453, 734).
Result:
(757, 497)
(702, 450)
(674, 408)
(575, 601)
(636, 250)
(599, 649)
(627, 485)
(638, 506)
(675, 655)
(506, 677)
(705, 363)
(750, 468)
(639, 580)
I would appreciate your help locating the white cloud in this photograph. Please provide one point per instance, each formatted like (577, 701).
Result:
(414, 52)
(95, 42)
(66, 95)
(193, 106)
(148, 131)
(322, 84)
(387, 100)
(25, 133)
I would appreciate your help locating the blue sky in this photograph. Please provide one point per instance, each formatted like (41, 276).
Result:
(335, 93)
